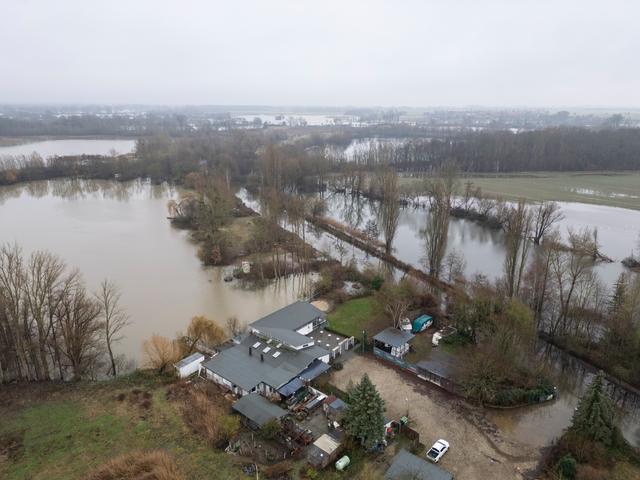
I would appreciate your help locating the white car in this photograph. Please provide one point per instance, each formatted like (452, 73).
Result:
(436, 452)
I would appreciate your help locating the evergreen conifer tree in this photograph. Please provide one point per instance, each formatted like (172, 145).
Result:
(364, 418)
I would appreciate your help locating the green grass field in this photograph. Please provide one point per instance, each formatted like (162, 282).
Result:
(353, 316)
(615, 189)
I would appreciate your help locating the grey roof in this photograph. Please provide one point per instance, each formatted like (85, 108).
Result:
(288, 337)
(258, 409)
(314, 370)
(291, 317)
(407, 465)
(292, 387)
(393, 336)
(194, 357)
(247, 371)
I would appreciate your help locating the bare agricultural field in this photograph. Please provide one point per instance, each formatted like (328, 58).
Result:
(614, 189)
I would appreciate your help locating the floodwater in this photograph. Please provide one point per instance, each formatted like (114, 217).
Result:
(70, 146)
(482, 247)
(120, 231)
(539, 425)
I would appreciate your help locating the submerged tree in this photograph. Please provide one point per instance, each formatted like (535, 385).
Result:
(545, 216)
(594, 418)
(517, 229)
(364, 419)
(390, 207)
(441, 191)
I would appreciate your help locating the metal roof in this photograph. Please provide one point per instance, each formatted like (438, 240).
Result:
(292, 387)
(393, 336)
(291, 317)
(258, 409)
(248, 370)
(314, 370)
(194, 357)
(407, 465)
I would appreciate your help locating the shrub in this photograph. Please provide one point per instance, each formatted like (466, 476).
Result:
(229, 426)
(155, 465)
(271, 429)
(566, 467)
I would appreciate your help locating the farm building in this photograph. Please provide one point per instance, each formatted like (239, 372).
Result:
(189, 365)
(406, 465)
(392, 342)
(257, 410)
(276, 356)
(323, 451)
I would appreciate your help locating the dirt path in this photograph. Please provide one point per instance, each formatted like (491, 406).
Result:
(477, 449)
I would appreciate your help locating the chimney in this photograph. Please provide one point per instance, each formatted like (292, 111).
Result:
(261, 357)
(250, 351)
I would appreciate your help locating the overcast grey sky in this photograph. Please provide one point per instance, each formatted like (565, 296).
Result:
(414, 53)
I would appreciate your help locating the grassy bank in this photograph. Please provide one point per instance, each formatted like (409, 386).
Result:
(52, 431)
(614, 189)
(59, 431)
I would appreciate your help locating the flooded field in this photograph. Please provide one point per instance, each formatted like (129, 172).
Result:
(71, 146)
(120, 231)
(482, 247)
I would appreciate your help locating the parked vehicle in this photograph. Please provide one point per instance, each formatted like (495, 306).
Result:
(436, 452)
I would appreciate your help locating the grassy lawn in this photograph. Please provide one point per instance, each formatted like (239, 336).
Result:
(353, 316)
(615, 189)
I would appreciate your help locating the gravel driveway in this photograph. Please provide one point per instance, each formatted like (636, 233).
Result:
(477, 451)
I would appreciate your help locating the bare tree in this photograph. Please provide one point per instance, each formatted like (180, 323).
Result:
(441, 190)
(234, 328)
(114, 318)
(201, 333)
(160, 352)
(454, 265)
(390, 207)
(517, 229)
(545, 216)
(80, 327)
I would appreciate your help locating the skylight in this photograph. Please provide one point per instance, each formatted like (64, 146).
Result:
(266, 350)
(276, 354)
(256, 345)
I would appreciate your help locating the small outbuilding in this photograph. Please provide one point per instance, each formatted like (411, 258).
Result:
(323, 451)
(257, 410)
(421, 323)
(407, 465)
(392, 342)
(189, 365)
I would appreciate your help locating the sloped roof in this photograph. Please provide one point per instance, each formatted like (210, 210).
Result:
(258, 409)
(393, 336)
(407, 465)
(246, 370)
(291, 317)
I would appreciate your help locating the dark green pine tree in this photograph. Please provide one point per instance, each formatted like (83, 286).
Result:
(594, 417)
(364, 418)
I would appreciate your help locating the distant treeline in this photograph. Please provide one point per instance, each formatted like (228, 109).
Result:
(158, 157)
(89, 124)
(555, 149)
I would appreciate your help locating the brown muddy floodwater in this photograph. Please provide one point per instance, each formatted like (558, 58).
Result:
(120, 231)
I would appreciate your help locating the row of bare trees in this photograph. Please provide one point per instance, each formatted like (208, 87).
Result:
(51, 326)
